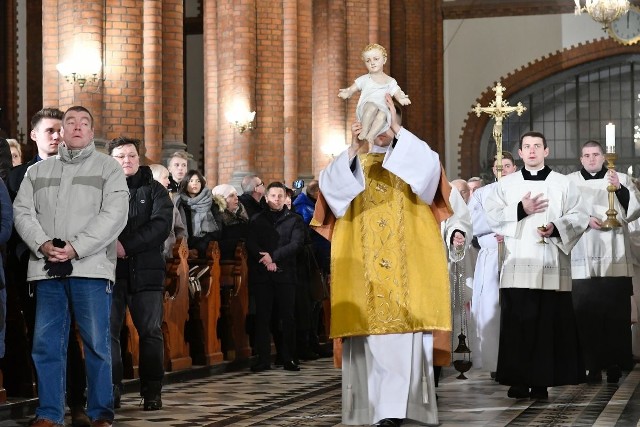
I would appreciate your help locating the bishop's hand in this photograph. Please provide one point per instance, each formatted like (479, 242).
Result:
(356, 143)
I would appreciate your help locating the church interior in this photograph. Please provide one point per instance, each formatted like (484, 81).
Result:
(251, 87)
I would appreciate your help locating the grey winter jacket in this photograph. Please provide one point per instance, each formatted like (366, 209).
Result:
(83, 200)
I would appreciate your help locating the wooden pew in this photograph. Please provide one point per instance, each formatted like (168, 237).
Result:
(204, 309)
(234, 290)
(176, 309)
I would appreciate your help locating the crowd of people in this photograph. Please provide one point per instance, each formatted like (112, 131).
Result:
(87, 236)
(525, 266)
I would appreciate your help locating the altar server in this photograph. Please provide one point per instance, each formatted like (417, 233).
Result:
(602, 267)
(541, 215)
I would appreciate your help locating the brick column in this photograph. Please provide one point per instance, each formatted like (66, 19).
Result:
(290, 42)
(212, 119)
(304, 86)
(80, 35)
(172, 76)
(238, 84)
(417, 43)
(329, 75)
(152, 75)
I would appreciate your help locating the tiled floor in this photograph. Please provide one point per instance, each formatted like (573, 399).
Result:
(311, 398)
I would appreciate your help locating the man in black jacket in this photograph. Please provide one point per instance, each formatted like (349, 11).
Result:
(275, 236)
(252, 193)
(140, 272)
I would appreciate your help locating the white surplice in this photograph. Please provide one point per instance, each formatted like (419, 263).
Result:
(485, 302)
(529, 264)
(602, 253)
(386, 376)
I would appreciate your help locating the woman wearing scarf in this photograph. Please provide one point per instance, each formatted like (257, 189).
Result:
(197, 202)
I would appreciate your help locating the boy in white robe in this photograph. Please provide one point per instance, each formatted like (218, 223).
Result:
(602, 268)
(541, 216)
(485, 302)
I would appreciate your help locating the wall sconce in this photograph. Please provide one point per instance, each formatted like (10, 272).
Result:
(241, 120)
(334, 144)
(80, 69)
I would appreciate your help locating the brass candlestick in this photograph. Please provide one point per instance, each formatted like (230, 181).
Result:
(611, 221)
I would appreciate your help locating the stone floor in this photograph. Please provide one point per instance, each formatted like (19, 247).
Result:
(311, 398)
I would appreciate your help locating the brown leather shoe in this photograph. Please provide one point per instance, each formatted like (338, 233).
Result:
(41, 422)
(101, 423)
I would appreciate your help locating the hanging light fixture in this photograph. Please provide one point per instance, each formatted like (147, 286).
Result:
(603, 11)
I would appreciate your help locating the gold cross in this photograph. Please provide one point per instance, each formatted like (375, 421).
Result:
(499, 109)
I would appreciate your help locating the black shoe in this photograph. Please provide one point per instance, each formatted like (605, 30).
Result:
(492, 374)
(390, 422)
(518, 392)
(152, 403)
(259, 367)
(594, 376)
(613, 374)
(539, 393)
(291, 366)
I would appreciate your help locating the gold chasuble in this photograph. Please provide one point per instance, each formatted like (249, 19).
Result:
(388, 265)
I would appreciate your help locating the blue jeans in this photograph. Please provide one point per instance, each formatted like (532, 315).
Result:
(90, 300)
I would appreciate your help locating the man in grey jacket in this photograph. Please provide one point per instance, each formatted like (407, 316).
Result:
(68, 211)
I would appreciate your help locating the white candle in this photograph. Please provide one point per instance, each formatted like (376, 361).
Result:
(610, 133)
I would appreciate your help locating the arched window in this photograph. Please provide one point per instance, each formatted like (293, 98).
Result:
(573, 107)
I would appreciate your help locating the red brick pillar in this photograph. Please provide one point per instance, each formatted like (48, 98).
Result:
(212, 119)
(304, 86)
(76, 33)
(152, 75)
(329, 75)
(238, 86)
(290, 41)
(172, 76)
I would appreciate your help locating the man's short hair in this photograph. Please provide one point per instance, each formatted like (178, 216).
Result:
(534, 134)
(123, 140)
(79, 108)
(157, 170)
(474, 179)
(248, 184)
(181, 154)
(312, 188)
(277, 184)
(46, 113)
(506, 155)
(592, 143)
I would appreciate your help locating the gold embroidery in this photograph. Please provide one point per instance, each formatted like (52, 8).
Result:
(384, 263)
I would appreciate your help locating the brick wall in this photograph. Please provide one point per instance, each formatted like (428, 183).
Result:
(139, 93)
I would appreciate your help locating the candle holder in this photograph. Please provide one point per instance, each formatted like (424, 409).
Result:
(611, 222)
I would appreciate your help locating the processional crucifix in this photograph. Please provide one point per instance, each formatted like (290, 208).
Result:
(499, 109)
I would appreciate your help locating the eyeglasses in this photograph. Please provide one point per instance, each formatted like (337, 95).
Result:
(261, 184)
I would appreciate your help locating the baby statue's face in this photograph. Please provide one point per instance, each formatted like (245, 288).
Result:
(374, 60)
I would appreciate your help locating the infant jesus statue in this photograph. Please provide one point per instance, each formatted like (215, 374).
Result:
(372, 110)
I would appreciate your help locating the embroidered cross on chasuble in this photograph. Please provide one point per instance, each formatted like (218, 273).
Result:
(388, 265)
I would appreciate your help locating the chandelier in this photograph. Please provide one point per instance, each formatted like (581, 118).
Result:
(603, 11)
